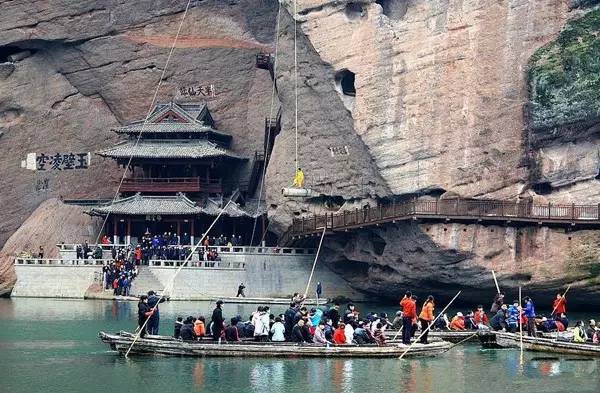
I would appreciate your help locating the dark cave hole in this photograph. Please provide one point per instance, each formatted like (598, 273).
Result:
(345, 80)
(354, 10)
(378, 245)
(6, 51)
(393, 9)
(544, 188)
(598, 175)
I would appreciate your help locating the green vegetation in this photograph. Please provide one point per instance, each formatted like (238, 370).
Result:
(564, 76)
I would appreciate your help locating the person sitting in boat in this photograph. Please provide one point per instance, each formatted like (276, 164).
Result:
(278, 330)
(349, 331)
(379, 335)
(339, 336)
(232, 333)
(559, 306)
(297, 335)
(559, 325)
(260, 320)
(200, 327)
(351, 313)
(301, 314)
(288, 319)
(497, 303)
(319, 336)
(596, 337)
(480, 317)
(579, 335)
(316, 314)
(397, 322)
(334, 314)
(306, 330)
(442, 323)
(498, 321)
(591, 330)
(247, 328)
(564, 320)
(458, 322)
(328, 330)
(470, 323)
(512, 318)
(177, 328)
(187, 330)
(361, 335)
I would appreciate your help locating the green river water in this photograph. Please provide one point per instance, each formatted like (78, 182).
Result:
(52, 346)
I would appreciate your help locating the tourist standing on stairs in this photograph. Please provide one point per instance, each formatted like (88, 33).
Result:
(409, 314)
(153, 301)
(217, 320)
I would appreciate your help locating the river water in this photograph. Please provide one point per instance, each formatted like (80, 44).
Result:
(52, 346)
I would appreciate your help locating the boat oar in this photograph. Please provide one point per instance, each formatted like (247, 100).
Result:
(520, 327)
(313, 268)
(430, 325)
(496, 282)
(462, 341)
(171, 283)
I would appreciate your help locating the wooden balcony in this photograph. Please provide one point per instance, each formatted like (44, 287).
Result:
(173, 184)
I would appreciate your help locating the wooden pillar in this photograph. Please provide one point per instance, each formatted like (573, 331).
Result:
(262, 220)
(178, 229)
(207, 174)
(128, 239)
(115, 236)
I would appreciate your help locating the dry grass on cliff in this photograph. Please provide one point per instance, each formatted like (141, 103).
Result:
(51, 223)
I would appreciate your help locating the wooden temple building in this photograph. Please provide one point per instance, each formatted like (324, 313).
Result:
(181, 172)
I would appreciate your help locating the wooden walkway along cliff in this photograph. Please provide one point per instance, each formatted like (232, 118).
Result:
(456, 210)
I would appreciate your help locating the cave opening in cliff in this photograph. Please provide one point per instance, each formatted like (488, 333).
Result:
(354, 11)
(345, 80)
(544, 188)
(393, 9)
(6, 51)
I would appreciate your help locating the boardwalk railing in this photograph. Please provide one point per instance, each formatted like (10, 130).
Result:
(61, 261)
(465, 209)
(218, 249)
(221, 265)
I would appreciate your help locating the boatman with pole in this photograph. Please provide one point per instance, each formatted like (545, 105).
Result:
(217, 321)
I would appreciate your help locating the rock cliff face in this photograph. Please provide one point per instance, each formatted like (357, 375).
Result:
(396, 98)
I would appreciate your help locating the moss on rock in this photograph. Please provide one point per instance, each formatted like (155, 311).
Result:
(564, 76)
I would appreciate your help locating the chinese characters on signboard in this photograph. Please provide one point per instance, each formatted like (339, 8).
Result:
(197, 91)
(56, 161)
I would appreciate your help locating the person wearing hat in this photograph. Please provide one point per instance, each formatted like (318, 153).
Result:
(217, 320)
(144, 312)
(592, 329)
(360, 334)
(498, 321)
(458, 322)
(397, 322)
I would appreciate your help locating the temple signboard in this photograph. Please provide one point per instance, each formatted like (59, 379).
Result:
(56, 161)
(197, 90)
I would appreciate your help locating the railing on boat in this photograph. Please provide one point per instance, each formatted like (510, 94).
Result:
(469, 209)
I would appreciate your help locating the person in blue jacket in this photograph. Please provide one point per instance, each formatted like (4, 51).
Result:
(512, 319)
(530, 314)
(153, 301)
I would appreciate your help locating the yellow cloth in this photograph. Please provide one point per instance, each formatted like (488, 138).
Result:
(299, 179)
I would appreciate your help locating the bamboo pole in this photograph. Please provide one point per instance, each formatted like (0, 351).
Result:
(430, 325)
(462, 341)
(496, 282)
(169, 286)
(520, 328)
(313, 267)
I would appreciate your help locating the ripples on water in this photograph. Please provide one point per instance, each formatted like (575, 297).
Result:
(52, 346)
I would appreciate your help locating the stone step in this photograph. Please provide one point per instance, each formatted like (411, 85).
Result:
(144, 282)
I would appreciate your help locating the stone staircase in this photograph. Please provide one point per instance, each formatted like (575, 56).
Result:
(145, 281)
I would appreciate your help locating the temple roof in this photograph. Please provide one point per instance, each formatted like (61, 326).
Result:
(157, 148)
(169, 128)
(141, 205)
(179, 204)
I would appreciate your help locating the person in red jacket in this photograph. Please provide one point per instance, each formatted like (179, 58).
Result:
(480, 317)
(339, 336)
(560, 305)
(458, 322)
(409, 314)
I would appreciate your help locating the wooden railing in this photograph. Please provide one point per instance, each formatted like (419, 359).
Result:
(463, 209)
(171, 184)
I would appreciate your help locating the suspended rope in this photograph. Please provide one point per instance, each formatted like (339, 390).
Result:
(296, 79)
(144, 125)
(170, 285)
(273, 89)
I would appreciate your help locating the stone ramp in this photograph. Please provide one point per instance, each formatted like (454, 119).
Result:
(144, 282)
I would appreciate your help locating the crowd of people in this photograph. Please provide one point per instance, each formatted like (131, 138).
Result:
(120, 272)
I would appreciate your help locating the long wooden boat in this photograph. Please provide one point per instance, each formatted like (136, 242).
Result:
(540, 344)
(168, 346)
(452, 336)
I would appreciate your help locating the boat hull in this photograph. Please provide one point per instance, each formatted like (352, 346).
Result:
(445, 335)
(166, 346)
(541, 344)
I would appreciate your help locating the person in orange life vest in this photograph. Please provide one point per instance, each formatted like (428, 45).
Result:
(339, 336)
(560, 305)
(458, 322)
(409, 314)
(426, 317)
(480, 317)
(200, 327)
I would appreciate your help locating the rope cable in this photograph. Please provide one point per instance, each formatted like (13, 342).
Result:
(262, 182)
(149, 113)
(296, 79)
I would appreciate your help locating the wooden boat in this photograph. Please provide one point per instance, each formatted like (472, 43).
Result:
(169, 346)
(451, 336)
(540, 344)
